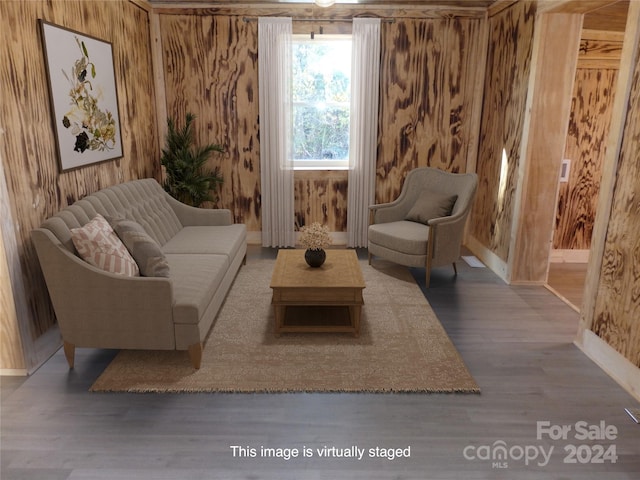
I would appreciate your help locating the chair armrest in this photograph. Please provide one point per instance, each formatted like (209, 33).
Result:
(193, 216)
(447, 233)
(386, 212)
(460, 217)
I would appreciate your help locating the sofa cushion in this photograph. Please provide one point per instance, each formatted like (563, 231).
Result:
(144, 249)
(218, 240)
(403, 236)
(98, 244)
(195, 279)
(431, 204)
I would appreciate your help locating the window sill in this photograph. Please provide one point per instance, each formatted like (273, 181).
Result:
(320, 168)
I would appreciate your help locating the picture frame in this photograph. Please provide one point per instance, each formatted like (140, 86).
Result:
(83, 96)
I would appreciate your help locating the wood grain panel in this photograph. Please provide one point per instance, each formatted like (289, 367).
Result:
(211, 70)
(611, 17)
(321, 197)
(548, 110)
(616, 316)
(586, 147)
(464, 9)
(506, 84)
(600, 49)
(35, 185)
(426, 109)
(11, 351)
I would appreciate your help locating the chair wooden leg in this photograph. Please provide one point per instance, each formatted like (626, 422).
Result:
(455, 269)
(427, 266)
(195, 355)
(69, 352)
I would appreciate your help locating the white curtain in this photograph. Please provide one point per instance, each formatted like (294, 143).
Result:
(365, 80)
(276, 170)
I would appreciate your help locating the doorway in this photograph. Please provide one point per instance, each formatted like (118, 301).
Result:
(585, 149)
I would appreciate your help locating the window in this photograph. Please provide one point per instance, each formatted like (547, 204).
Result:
(321, 89)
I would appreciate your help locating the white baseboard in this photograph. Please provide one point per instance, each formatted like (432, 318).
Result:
(569, 256)
(490, 259)
(13, 372)
(625, 373)
(338, 238)
(254, 238)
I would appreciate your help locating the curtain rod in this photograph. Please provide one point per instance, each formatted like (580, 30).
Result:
(331, 20)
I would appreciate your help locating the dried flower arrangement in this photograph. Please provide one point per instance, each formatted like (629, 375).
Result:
(315, 236)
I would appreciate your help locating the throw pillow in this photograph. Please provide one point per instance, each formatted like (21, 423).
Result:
(98, 245)
(144, 249)
(431, 205)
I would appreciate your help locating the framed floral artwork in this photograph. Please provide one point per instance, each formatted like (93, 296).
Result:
(84, 100)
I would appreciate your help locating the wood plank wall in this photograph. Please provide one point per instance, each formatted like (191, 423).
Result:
(548, 108)
(503, 115)
(587, 136)
(616, 318)
(211, 70)
(11, 351)
(428, 78)
(35, 185)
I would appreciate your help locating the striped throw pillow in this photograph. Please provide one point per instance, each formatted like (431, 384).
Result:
(98, 245)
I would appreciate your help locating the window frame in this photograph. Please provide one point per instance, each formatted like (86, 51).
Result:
(321, 163)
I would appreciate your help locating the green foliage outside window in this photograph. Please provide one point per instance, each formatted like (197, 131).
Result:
(321, 95)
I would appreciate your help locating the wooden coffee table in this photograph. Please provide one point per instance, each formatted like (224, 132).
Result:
(324, 299)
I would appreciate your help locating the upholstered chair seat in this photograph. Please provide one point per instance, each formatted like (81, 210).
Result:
(403, 239)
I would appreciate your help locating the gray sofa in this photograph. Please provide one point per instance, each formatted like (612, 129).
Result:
(204, 250)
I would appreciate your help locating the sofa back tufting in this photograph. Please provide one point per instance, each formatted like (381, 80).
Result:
(141, 200)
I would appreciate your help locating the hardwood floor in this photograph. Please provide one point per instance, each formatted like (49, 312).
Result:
(516, 341)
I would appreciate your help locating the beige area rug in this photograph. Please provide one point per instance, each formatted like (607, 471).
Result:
(402, 347)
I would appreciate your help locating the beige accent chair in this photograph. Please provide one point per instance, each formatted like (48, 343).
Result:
(424, 226)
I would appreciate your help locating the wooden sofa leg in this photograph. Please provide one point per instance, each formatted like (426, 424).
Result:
(69, 352)
(370, 257)
(195, 355)
(455, 269)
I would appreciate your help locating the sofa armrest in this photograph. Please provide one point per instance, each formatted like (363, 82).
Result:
(193, 216)
(95, 308)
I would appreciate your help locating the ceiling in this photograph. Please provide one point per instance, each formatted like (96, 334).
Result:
(450, 3)
(611, 17)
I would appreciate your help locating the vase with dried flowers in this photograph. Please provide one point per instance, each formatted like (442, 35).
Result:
(315, 238)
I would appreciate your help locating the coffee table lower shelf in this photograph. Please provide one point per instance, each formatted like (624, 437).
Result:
(317, 319)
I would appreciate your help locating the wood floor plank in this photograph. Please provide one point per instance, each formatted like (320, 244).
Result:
(516, 342)
(568, 280)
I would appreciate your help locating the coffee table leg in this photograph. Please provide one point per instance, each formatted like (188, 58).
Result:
(354, 318)
(279, 312)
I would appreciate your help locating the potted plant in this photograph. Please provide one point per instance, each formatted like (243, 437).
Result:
(315, 238)
(187, 178)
